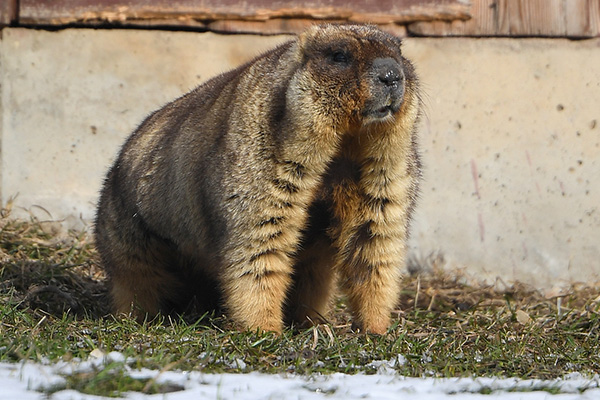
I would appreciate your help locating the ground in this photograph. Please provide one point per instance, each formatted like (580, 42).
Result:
(54, 313)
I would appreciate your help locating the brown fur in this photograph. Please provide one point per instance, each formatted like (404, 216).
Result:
(261, 187)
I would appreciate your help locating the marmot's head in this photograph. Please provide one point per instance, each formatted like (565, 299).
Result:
(356, 75)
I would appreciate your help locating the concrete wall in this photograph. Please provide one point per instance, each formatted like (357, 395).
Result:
(510, 136)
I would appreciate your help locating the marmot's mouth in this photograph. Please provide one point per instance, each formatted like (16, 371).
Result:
(383, 111)
(389, 108)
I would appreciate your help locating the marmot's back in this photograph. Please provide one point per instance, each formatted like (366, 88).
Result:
(251, 191)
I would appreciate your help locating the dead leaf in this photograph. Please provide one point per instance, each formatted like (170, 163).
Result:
(522, 317)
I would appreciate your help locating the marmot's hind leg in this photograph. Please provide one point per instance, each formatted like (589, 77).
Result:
(143, 282)
(138, 290)
(310, 299)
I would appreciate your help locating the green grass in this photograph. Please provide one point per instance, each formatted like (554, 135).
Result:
(53, 306)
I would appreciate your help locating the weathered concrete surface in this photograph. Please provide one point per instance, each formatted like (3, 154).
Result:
(71, 97)
(511, 140)
(511, 136)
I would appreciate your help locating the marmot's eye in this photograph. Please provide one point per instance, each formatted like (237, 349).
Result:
(340, 57)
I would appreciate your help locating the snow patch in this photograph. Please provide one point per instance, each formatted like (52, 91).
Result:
(26, 380)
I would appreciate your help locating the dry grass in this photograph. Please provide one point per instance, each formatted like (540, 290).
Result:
(42, 268)
(53, 305)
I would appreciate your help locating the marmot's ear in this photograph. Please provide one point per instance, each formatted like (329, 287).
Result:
(397, 41)
(307, 36)
(314, 32)
(305, 40)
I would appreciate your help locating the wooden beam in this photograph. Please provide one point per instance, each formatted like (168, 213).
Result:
(548, 18)
(9, 12)
(190, 12)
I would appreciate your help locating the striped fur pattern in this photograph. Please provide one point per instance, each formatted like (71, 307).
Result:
(262, 189)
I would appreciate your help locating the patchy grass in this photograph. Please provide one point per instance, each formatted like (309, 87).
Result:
(53, 306)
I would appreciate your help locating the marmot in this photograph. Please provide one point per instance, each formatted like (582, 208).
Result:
(263, 187)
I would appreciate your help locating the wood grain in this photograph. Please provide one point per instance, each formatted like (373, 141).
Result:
(8, 12)
(548, 18)
(206, 12)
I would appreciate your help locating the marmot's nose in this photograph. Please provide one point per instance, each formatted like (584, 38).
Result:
(390, 77)
(387, 71)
